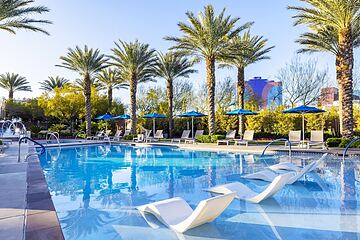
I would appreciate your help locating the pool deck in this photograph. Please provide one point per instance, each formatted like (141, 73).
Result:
(26, 208)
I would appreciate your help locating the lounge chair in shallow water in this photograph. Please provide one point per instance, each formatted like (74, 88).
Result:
(288, 166)
(269, 175)
(245, 193)
(177, 214)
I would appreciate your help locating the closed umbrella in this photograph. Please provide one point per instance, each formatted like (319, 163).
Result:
(303, 110)
(154, 116)
(105, 117)
(241, 112)
(193, 115)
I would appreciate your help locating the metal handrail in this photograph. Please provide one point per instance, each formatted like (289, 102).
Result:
(277, 140)
(54, 134)
(31, 140)
(348, 146)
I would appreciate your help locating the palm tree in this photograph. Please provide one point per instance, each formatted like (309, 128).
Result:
(208, 37)
(53, 82)
(14, 14)
(248, 49)
(335, 28)
(171, 66)
(110, 79)
(14, 83)
(87, 62)
(135, 62)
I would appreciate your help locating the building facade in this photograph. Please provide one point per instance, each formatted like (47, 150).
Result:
(267, 93)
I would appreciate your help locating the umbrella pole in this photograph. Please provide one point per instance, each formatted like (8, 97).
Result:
(240, 126)
(154, 127)
(303, 127)
(192, 127)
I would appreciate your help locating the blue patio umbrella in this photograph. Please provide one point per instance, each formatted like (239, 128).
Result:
(303, 110)
(192, 114)
(154, 116)
(124, 116)
(241, 112)
(105, 117)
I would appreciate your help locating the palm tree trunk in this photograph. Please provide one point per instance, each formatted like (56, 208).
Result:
(87, 93)
(170, 96)
(241, 94)
(11, 95)
(133, 87)
(210, 79)
(109, 93)
(344, 68)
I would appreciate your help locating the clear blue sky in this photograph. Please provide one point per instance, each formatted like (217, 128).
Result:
(98, 23)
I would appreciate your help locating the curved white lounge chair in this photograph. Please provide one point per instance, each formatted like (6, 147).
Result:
(176, 213)
(245, 193)
(269, 175)
(288, 166)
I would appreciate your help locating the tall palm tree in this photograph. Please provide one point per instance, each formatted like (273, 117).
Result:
(53, 82)
(15, 14)
(248, 50)
(135, 62)
(87, 62)
(14, 83)
(171, 66)
(335, 28)
(208, 37)
(110, 79)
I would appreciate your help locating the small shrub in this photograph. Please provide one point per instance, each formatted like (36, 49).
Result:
(35, 130)
(333, 142)
(57, 128)
(209, 138)
(346, 141)
(1, 142)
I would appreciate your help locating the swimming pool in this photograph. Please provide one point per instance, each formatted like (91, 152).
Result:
(95, 189)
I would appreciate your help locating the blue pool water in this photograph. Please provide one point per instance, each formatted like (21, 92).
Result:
(95, 190)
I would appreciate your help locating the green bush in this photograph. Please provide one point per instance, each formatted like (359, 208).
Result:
(345, 142)
(34, 130)
(129, 137)
(57, 128)
(209, 138)
(333, 142)
(1, 142)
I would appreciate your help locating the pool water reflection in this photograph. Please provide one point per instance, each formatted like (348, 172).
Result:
(95, 190)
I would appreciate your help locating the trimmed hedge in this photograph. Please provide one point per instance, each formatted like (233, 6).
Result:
(341, 143)
(129, 137)
(209, 138)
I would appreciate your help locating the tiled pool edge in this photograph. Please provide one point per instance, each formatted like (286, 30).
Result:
(41, 221)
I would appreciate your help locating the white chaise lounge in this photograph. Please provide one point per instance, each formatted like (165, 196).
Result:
(269, 175)
(294, 138)
(245, 193)
(177, 214)
(230, 135)
(197, 133)
(248, 137)
(185, 135)
(316, 139)
(158, 135)
(288, 166)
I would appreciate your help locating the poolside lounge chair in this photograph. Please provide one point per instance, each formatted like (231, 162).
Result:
(142, 137)
(197, 133)
(185, 135)
(294, 138)
(126, 133)
(269, 175)
(230, 135)
(248, 136)
(116, 136)
(106, 135)
(316, 139)
(177, 214)
(97, 136)
(245, 193)
(158, 135)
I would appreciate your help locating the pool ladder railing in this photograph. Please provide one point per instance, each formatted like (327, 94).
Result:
(35, 142)
(277, 140)
(348, 146)
(55, 135)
